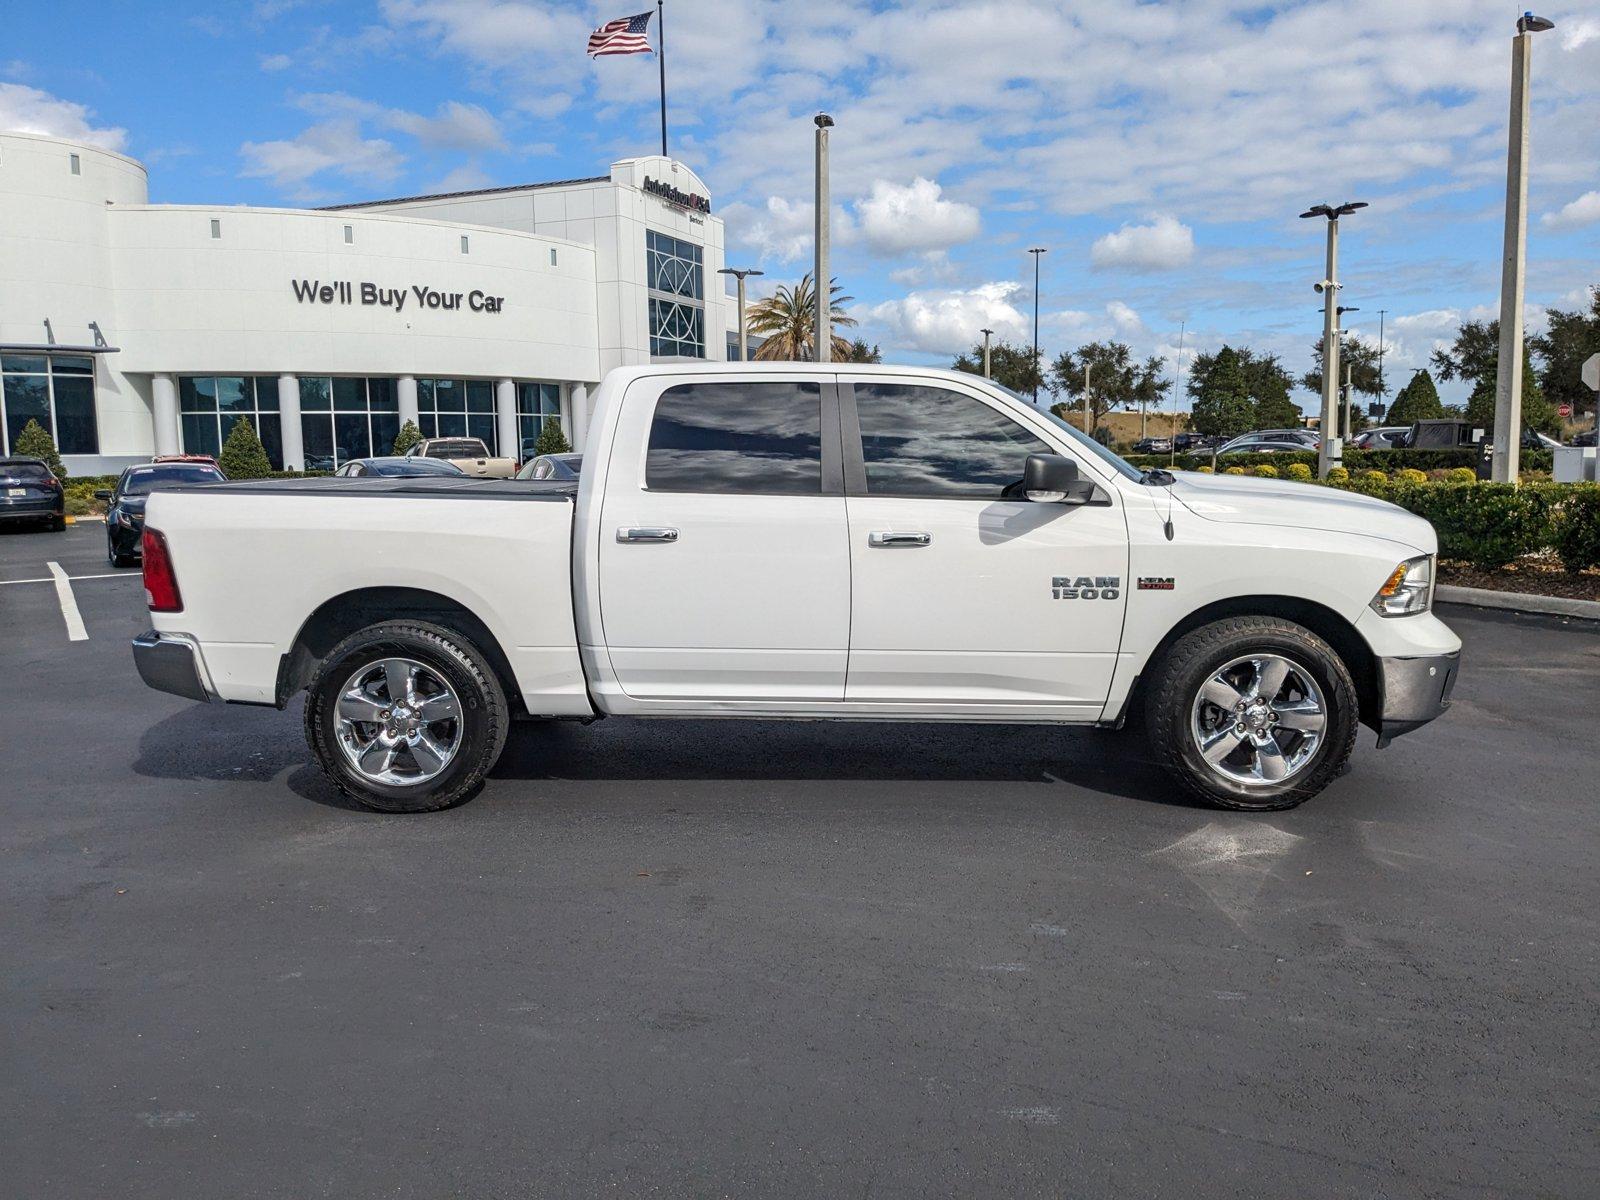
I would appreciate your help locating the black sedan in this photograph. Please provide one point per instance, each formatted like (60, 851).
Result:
(396, 465)
(29, 492)
(125, 513)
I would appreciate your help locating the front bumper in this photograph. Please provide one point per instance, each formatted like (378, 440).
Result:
(1415, 691)
(171, 663)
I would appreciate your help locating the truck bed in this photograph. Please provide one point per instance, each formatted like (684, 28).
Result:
(259, 561)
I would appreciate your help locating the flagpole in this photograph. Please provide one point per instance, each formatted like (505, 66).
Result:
(661, 59)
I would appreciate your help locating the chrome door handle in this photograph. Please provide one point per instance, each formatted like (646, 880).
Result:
(654, 533)
(890, 539)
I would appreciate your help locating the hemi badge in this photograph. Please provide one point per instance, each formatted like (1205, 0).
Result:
(1152, 583)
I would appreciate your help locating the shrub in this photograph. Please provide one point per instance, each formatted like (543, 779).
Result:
(551, 440)
(1338, 476)
(1410, 475)
(1299, 471)
(243, 456)
(1265, 471)
(1486, 524)
(1461, 475)
(1575, 527)
(35, 442)
(1370, 476)
(1233, 470)
(1205, 470)
(408, 437)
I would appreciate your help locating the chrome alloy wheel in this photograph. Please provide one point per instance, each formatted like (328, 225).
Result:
(1259, 719)
(399, 722)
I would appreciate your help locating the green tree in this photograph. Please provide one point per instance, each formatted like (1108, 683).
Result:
(1537, 412)
(1010, 366)
(1417, 401)
(243, 456)
(1474, 355)
(1266, 383)
(551, 440)
(1223, 406)
(408, 437)
(35, 442)
(1570, 339)
(860, 352)
(787, 320)
(1115, 378)
(1361, 358)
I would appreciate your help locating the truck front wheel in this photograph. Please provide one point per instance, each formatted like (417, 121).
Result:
(406, 716)
(1252, 713)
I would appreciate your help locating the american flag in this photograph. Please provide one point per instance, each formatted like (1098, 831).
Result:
(625, 35)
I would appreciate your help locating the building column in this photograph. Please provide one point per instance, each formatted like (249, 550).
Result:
(294, 448)
(407, 395)
(164, 413)
(578, 414)
(505, 411)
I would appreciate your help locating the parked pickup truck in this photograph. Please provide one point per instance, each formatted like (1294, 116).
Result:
(469, 455)
(802, 542)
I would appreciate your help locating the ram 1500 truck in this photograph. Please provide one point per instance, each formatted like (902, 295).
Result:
(801, 541)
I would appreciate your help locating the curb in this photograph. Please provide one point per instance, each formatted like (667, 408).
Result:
(1549, 606)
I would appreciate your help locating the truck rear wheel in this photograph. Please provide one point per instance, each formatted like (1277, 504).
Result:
(1252, 713)
(406, 716)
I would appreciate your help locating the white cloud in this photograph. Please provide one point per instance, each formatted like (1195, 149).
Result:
(455, 126)
(781, 230)
(1579, 33)
(276, 62)
(895, 219)
(1585, 210)
(26, 109)
(335, 145)
(948, 321)
(1163, 244)
(464, 178)
(1124, 318)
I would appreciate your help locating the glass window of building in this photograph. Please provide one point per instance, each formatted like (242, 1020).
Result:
(537, 404)
(457, 408)
(347, 416)
(737, 438)
(210, 405)
(675, 279)
(56, 390)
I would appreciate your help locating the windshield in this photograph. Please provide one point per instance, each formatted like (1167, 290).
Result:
(20, 471)
(1081, 439)
(154, 479)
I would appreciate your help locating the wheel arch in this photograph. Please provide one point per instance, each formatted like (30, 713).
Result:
(339, 616)
(1326, 623)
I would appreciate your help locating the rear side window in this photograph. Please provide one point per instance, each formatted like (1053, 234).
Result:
(750, 438)
(925, 441)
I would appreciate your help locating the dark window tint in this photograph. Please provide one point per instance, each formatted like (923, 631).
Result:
(23, 470)
(737, 437)
(457, 449)
(924, 441)
(154, 479)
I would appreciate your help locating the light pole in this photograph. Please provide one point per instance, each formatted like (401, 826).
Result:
(1508, 378)
(824, 321)
(1383, 396)
(1329, 287)
(1349, 373)
(1036, 251)
(744, 339)
(1088, 369)
(986, 373)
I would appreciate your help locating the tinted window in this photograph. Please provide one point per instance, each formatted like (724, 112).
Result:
(20, 471)
(763, 438)
(925, 441)
(140, 483)
(457, 449)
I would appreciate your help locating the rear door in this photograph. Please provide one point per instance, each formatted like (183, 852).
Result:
(966, 595)
(724, 570)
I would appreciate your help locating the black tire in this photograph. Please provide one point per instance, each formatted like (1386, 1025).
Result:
(58, 524)
(485, 715)
(1187, 665)
(116, 559)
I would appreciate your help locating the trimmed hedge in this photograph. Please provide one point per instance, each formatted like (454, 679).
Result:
(1387, 461)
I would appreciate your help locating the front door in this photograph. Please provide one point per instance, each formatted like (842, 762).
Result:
(724, 564)
(964, 597)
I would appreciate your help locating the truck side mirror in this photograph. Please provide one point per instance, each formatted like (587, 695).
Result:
(1053, 479)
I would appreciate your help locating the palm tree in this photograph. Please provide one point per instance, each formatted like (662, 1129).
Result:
(787, 319)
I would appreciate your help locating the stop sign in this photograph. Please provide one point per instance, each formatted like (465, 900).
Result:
(1565, 410)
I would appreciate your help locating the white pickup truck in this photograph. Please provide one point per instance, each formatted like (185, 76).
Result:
(805, 542)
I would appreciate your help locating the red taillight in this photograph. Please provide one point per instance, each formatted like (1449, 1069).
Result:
(160, 581)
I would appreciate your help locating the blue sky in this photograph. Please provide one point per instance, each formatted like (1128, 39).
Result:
(1160, 151)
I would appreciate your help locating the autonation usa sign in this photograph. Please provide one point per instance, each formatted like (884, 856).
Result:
(672, 195)
(337, 291)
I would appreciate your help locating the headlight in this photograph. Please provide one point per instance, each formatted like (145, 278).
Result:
(1408, 590)
(125, 518)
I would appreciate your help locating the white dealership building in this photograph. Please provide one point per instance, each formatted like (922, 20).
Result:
(129, 329)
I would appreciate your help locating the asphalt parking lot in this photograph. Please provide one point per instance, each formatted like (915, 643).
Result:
(767, 959)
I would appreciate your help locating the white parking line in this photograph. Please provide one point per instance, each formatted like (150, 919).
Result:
(69, 606)
(52, 578)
